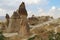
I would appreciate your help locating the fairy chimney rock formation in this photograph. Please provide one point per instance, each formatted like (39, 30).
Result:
(14, 24)
(19, 23)
(7, 19)
(24, 27)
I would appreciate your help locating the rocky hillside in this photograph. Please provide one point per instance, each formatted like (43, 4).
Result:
(19, 27)
(40, 19)
(47, 28)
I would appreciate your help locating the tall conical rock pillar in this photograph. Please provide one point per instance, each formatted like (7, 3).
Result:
(14, 24)
(7, 20)
(24, 27)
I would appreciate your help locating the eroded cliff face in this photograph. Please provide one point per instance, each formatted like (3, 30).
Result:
(18, 22)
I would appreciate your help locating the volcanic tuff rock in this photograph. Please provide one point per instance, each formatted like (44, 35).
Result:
(34, 20)
(19, 23)
(24, 27)
(7, 19)
(15, 15)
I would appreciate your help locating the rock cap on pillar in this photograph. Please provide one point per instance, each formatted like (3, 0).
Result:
(7, 16)
(22, 9)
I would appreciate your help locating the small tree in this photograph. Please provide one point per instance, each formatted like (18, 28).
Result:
(58, 36)
(2, 36)
(51, 36)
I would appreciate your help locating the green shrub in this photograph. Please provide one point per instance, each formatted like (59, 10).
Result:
(2, 36)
